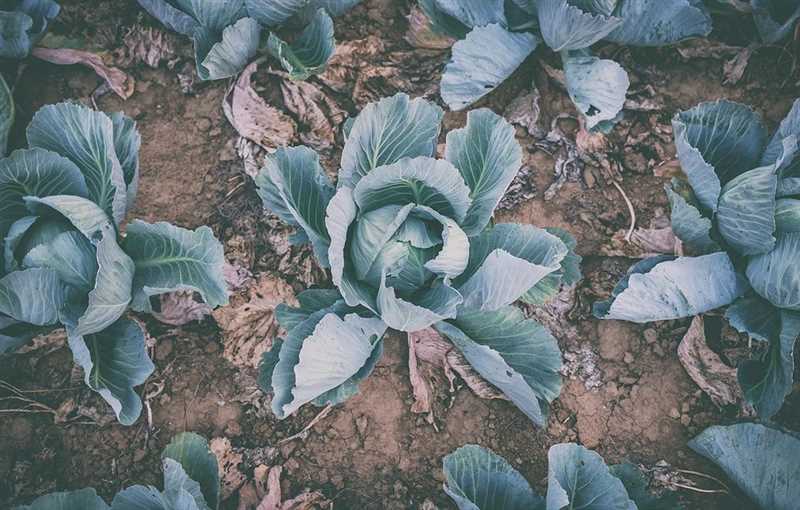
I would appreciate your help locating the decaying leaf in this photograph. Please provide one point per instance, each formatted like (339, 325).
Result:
(252, 117)
(248, 324)
(350, 58)
(657, 239)
(317, 114)
(420, 34)
(420, 387)
(179, 308)
(230, 474)
(121, 83)
(148, 45)
(268, 489)
(706, 369)
(524, 111)
(733, 69)
(432, 348)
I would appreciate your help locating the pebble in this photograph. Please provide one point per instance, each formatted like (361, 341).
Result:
(628, 358)
(686, 420)
(203, 124)
(659, 351)
(139, 455)
(674, 413)
(650, 336)
(630, 381)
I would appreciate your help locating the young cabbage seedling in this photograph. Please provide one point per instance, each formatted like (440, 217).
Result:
(409, 244)
(66, 262)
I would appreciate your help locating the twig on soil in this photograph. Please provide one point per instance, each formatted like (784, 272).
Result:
(303, 434)
(704, 475)
(630, 210)
(32, 406)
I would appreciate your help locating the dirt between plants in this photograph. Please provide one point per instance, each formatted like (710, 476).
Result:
(625, 392)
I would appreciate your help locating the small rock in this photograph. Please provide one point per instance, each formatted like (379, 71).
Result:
(361, 424)
(139, 455)
(228, 153)
(686, 420)
(291, 465)
(674, 413)
(650, 336)
(628, 358)
(203, 124)
(685, 407)
(630, 381)
(211, 347)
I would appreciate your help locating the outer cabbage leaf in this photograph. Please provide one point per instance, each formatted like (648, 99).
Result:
(388, 131)
(422, 310)
(566, 26)
(568, 274)
(478, 479)
(82, 499)
(775, 19)
(111, 294)
(311, 300)
(674, 289)
(535, 253)
(70, 255)
(790, 126)
(746, 211)
(518, 356)
(127, 142)
(114, 361)
(173, 18)
(761, 460)
(481, 62)
(488, 156)
(766, 381)
(637, 486)
(310, 52)
(224, 54)
(441, 23)
(193, 454)
(86, 137)
(659, 23)
(33, 296)
(716, 141)
(179, 487)
(169, 258)
(434, 183)
(320, 354)
(34, 172)
(597, 87)
(579, 478)
(775, 276)
(787, 215)
(688, 223)
(14, 334)
(294, 186)
(23, 26)
(274, 12)
(7, 112)
(474, 13)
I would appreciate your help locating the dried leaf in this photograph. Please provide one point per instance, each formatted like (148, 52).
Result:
(706, 48)
(421, 390)
(230, 474)
(248, 323)
(524, 111)
(733, 70)
(121, 83)
(706, 369)
(268, 483)
(148, 45)
(314, 110)
(179, 308)
(252, 117)
(420, 34)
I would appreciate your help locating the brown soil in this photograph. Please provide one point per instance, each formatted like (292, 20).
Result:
(626, 393)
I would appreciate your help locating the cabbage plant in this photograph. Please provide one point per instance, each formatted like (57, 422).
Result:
(22, 24)
(478, 479)
(738, 211)
(191, 482)
(227, 35)
(409, 242)
(494, 37)
(66, 262)
(761, 460)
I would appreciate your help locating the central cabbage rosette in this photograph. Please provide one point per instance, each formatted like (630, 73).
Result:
(397, 244)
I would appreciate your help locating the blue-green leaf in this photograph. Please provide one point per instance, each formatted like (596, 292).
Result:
(517, 355)
(488, 156)
(192, 452)
(637, 486)
(371, 233)
(169, 258)
(762, 461)
(746, 211)
(224, 54)
(568, 274)
(387, 131)
(478, 479)
(674, 289)
(70, 255)
(787, 215)
(579, 478)
(716, 141)
(33, 296)
(320, 354)
(775, 19)
(82, 499)
(659, 23)
(294, 186)
(311, 300)
(7, 111)
(15, 42)
(422, 310)
(596, 86)
(86, 137)
(180, 491)
(127, 142)
(114, 361)
(452, 258)
(423, 180)
(14, 334)
(688, 223)
(310, 52)
(274, 12)
(566, 26)
(474, 13)
(790, 126)
(775, 276)
(172, 17)
(481, 62)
